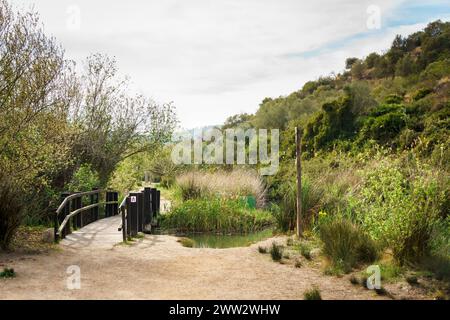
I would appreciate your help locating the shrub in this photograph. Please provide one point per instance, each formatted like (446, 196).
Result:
(189, 186)
(276, 252)
(354, 280)
(312, 294)
(286, 216)
(215, 215)
(305, 251)
(421, 93)
(412, 280)
(8, 273)
(384, 123)
(262, 249)
(11, 210)
(400, 211)
(345, 244)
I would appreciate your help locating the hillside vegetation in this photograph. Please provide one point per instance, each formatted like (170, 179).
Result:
(375, 154)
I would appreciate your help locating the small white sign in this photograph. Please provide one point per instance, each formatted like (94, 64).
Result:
(133, 199)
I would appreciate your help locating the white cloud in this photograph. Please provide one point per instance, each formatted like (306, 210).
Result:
(215, 58)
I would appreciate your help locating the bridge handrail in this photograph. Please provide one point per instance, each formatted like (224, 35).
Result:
(74, 196)
(77, 211)
(59, 227)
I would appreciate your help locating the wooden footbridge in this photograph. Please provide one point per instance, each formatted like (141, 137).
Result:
(139, 212)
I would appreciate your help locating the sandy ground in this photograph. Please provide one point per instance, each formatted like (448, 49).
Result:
(158, 267)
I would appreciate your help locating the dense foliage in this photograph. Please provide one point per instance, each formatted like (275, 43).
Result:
(61, 129)
(375, 151)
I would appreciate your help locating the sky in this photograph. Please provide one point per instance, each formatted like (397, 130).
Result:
(217, 58)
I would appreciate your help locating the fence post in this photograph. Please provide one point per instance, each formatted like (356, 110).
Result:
(124, 224)
(56, 226)
(108, 206)
(140, 201)
(134, 213)
(94, 199)
(63, 214)
(76, 221)
(148, 213)
(115, 206)
(158, 202)
(153, 203)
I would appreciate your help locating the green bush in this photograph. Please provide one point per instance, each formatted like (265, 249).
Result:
(346, 244)
(216, 215)
(84, 179)
(421, 93)
(399, 211)
(8, 273)
(384, 123)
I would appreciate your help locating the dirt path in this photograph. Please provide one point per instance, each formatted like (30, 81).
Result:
(158, 267)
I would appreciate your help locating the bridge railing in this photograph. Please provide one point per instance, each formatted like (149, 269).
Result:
(140, 212)
(73, 210)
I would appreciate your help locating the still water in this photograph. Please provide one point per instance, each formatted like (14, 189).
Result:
(228, 241)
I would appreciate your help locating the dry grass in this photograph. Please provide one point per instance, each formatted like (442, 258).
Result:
(225, 184)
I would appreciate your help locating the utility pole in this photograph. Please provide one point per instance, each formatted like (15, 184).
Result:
(298, 149)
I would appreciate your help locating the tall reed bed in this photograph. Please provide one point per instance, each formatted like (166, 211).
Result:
(216, 215)
(222, 184)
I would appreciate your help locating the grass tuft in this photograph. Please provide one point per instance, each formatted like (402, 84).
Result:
(8, 273)
(262, 249)
(354, 280)
(276, 252)
(312, 294)
(186, 242)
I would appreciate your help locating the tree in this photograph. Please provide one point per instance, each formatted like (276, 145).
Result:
(238, 120)
(350, 62)
(113, 125)
(372, 59)
(358, 69)
(35, 97)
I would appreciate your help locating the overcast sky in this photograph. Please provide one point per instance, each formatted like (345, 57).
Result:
(216, 58)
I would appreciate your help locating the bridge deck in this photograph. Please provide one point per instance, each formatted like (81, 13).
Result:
(102, 233)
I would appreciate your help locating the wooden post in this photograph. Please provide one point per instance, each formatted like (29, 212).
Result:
(147, 208)
(124, 224)
(133, 211)
(95, 210)
(140, 202)
(63, 214)
(298, 148)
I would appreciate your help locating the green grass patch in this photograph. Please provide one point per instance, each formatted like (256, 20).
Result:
(7, 273)
(186, 242)
(216, 216)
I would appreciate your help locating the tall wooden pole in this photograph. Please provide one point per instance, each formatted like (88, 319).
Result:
(298, 149)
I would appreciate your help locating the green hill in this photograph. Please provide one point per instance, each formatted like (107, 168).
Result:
(375, 147)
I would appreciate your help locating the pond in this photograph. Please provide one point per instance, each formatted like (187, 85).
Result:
(219, 241)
